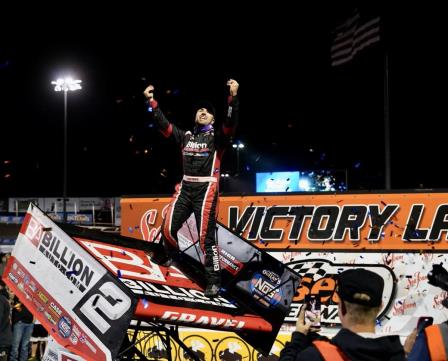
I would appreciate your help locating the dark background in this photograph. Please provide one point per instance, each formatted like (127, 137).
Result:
(297, 112)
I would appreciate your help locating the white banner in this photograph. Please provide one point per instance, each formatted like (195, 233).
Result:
(406, 297)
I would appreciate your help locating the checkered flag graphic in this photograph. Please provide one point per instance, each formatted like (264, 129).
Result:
(313, 270)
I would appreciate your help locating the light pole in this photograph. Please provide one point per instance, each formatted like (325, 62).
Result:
(238, 146)
(65, 85)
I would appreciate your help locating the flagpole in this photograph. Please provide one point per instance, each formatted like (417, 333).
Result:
(386, 123)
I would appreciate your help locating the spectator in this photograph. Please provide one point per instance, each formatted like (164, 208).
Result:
(3, 260)
(22, 328)
(5, 323)
(39, 340)
(360, 293)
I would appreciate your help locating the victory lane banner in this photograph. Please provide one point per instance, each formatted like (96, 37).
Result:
(397, 235)
(81, 305)
(393, 221)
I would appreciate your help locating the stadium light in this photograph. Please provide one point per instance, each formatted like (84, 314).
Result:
(65, 84)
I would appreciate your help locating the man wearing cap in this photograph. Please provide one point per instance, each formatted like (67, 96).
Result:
(202, 150)
(360, 297)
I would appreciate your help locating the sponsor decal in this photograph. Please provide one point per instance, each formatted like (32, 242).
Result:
(403, 307)
(83, 339)
(65, 326)
(76, 331)
(50, 318)
(43, 297)
(13, 278)
(20, 273)
(81, 218)
(73, 339)
(38, 305)
(67, 356)
(232, 349)
(264, 288)
(200, 347)
(274, 277)
(195, 145)
(32, 286)
(391, 259)
(319, 279)
(33, 229)
(202, 321)
(215, 258)
(211, 345)
(55, 308)
(174, 293)
(229, 261)
(274, 353)
(52, 355)
(147, 221)
(196, 149)
(156, 350)
(68, 262)
(415, 280)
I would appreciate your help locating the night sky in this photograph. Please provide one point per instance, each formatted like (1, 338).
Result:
(297, 112)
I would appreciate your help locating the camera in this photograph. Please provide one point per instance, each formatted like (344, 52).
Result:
(424, 322)
(312, 311)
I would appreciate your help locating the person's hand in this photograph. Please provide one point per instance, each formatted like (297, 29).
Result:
(233, 84)
(409, 342)
(149, 93)
(301, 326)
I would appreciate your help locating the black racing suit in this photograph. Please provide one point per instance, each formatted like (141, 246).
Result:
(202, 151)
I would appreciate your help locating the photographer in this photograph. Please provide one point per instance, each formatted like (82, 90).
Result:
(360, 293)
(432, 343)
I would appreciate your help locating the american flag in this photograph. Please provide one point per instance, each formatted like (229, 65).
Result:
(355, 34)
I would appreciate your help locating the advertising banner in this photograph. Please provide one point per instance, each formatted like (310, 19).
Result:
(398, 235)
